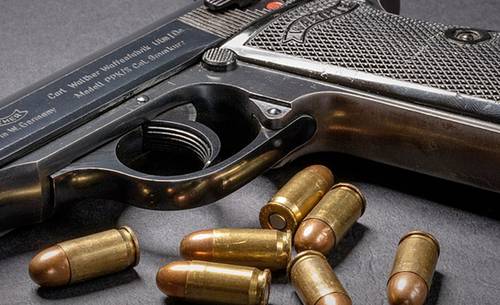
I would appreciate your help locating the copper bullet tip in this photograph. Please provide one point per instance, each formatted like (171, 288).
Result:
(335, 299)
(50, 268)
(171, 279)
(406, 288)
(198, 245)
(314, 234)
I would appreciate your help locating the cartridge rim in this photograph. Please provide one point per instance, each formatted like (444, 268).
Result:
(356, 190)
(274, 208)
(135, 241)
(302, 255)
(424, 234)
(289, 243)
(265, 286)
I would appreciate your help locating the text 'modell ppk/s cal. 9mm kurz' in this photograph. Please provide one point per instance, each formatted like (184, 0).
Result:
(146, 121)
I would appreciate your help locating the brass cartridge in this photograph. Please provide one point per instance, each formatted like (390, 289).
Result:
(330, 219)
(85, 258)
(248, 247)
(296, 198)
(214, 283)
(413, 268)
(315, 281)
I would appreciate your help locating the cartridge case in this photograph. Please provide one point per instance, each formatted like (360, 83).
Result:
(84, 258)
(259, 248)
(296, 198)
(413, 269)
(314, 280)
(330, 219)
(215, 283)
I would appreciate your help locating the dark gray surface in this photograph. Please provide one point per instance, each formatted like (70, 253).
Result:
(40, 37)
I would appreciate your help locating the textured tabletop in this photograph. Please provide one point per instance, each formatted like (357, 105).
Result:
(39, 37)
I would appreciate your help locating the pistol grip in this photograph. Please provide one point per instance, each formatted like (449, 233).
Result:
(353, 44)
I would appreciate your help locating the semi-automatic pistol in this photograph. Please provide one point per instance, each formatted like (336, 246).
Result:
(197, 105)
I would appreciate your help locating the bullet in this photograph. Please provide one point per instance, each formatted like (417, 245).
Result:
(214, 283)
(85, 258)
(296, 198)
(258, 248)
(314, 280)
(413, 268)
(330, 219)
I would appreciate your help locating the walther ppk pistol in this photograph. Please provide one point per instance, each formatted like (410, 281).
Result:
(192, 108)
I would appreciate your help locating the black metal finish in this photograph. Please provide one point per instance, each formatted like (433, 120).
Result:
(173, 142)
(82, 94)
(219, 5)
(102, 175)
(219, 59)
(223, 24)
(391, 6)
(203, 133)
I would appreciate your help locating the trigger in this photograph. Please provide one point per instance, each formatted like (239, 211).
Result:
(220, 5)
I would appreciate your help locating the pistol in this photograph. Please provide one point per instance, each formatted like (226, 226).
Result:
(195, 106)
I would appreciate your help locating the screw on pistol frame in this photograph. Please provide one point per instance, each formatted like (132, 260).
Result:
(142, 99)
(274, 111)
(467, 36)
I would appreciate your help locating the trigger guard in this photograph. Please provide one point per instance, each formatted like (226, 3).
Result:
(102, 175)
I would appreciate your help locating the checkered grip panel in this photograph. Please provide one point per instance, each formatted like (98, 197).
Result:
(353, 35)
